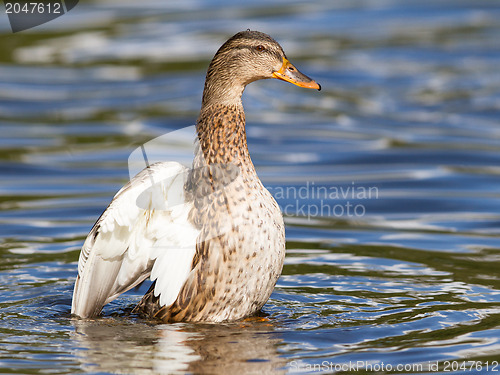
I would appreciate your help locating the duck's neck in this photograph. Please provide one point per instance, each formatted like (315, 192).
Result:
(222, 85)
(221, 135)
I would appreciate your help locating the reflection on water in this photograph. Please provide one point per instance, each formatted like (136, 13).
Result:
(131, 347)
(409, 108)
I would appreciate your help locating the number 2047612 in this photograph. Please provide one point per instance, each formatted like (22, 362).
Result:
(33, 8)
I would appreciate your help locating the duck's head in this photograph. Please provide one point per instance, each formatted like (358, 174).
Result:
(246, 57)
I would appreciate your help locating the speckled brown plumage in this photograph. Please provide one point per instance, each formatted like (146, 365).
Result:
(240, 251)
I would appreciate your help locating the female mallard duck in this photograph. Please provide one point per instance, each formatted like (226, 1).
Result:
(212, 237)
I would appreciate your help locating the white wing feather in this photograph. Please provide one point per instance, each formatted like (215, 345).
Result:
(145, 230)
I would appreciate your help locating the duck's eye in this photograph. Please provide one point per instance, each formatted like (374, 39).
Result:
(260, 48)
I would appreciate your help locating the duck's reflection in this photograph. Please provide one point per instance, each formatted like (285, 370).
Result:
(125, 347)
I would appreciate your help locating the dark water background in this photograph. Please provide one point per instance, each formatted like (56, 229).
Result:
(408, 120)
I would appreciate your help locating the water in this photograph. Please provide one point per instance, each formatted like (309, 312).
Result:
(402, 273)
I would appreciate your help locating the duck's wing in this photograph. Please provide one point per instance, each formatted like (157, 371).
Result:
(144, 230)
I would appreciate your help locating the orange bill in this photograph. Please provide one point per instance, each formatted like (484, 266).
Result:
(290, 73)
